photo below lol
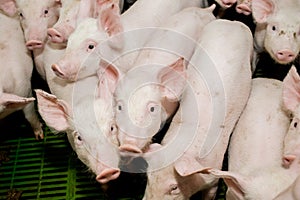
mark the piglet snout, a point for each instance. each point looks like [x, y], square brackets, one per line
[285, 56]
[58, 72]
[287, 160]
[244, 9]
[55, 36]
[107, 175]
[34, 44]
[130, 148]
[228, 3]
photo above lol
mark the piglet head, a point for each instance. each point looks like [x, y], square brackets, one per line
[282, 36]
[144, 101]
[179, 180]
[70, 15]
[291, 100]
[84, 134]
[36, 17]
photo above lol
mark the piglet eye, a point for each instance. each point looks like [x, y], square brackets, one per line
[91, 46]
[152, 107]
[113, 128]
[46, 12]
[295, 125]
[21, 15]
[120, 106]
[79, 138]
[273, 28]
[174, 189]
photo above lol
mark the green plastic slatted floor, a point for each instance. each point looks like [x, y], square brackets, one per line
[45, 170]
[49, 169]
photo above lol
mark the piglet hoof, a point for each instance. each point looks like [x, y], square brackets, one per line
[39, 134]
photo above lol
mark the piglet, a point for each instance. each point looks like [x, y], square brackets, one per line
[142, 109]
[291, 102]
[70, 15]
[87, 120]
[261, 128]
[210, 105]
[16, 69]
[36, 17]
[111, 36]
[278, 30]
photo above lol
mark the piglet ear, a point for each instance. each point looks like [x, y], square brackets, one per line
[236, 183]
[291, 90]
[54, 112]
[8, 7]
[11, 101]
[188, 165]
[109, 18]
[262, 9]
[110, 21]
[173, 79]
[108, 78]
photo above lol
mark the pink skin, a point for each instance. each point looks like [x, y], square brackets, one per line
[285, 55]
[92, 149]
[107, 175]
[277, 32]
[71, 14]
[291, 100]
[36, 16]
[16, 70]
[244, 7]
[226, 3]
[57, 35]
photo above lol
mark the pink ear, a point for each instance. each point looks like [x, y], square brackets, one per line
[188, 165]
[262, 9]
[109, 17]
[108, 78]
[12, 101]
[173, 79]
[291, 90]
[8, 7]
[235, 182]
[53, 111]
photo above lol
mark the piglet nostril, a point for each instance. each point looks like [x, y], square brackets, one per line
[108, 175]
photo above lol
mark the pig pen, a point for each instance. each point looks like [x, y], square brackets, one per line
[49, 169]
